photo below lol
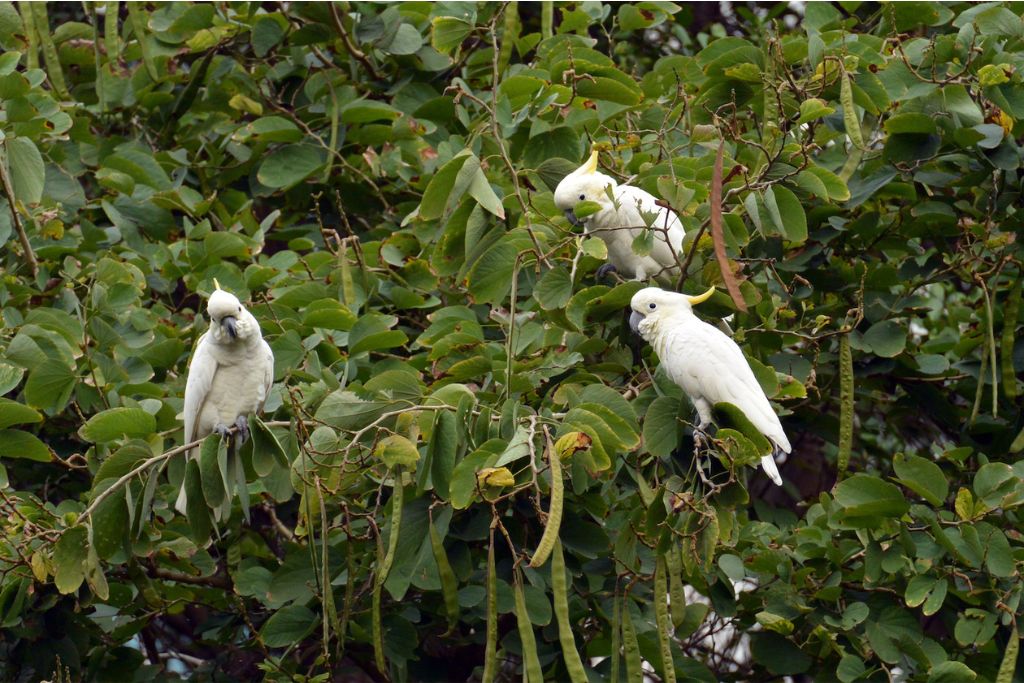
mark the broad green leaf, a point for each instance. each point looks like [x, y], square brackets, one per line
[288, 626]
[786, 213]
[14, 413]
[864, 495]
[115, 423]
[490, 278]
[110, 524]
[886, 338]
[289, 165]
[661, 427]
[50, 385]
[15, 443]
[69, 555]
[922, 476]
[447, 33]
[438, 193]
[28, 173]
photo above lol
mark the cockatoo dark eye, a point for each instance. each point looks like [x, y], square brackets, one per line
[239, 309]
[652, 306]
[582, 197]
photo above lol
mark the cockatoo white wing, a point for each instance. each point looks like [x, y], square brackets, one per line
[715, 369]
[268, 372]
[201, 371]
[633, 209]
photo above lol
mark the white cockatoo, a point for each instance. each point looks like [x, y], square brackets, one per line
[621, 220]
[706, 363]
[229, 377]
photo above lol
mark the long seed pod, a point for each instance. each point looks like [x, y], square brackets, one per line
[491, 646]
[396, 525]
[53, 69]
[449, 584]
[616, 634]
[630, 645]
[547, 19]
[559, 588]
[675, 584]
[350, 591]
[550, 536]
[509, 33]
[28, 20]
[990, 342]
[662, 621]
[1011, 314]
[850, 118]
[110, 33]
[531, 662]
[377, 630]
[1009, 665]
[845, 403]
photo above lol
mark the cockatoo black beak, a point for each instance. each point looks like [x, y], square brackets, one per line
[228, 323]
[570, 216]
[634, 322]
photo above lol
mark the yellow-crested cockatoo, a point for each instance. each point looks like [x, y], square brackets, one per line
[621, 220]
[706, 363]
[229, 377]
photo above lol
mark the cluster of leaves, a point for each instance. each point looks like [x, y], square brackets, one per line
[455, 395]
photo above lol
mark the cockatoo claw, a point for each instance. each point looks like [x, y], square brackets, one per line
[605, 270]
[222, 431]
[242, 423]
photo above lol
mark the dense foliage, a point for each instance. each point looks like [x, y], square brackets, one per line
[376, 180]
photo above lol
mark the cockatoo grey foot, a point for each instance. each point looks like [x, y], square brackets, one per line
[242, 423]
[221, 430]
[605, 270]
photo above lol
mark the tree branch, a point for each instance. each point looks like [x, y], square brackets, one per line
[356, 53]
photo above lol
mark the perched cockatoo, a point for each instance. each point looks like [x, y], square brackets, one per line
[229, 377]
[706, 363]
[621, 220]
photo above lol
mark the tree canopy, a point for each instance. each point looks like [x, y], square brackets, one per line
[461, 472]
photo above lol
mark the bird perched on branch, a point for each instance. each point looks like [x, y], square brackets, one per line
[706, 364]
[625, 213]
[229, 377]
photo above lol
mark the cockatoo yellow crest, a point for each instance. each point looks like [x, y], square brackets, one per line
[622, 219]
[230, 375]
[705, 362]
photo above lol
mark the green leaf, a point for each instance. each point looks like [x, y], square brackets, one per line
[213, 469]
[778, 654]
[69, 555]
[407, 41]
[480, 189]
[366, 111]
[447, 33]
[923, 477]
[396, 450]
[438, 194]
[110, 524]
[28, 172]
[288, 625]
[886, 338]
[490, 278]
[14, 413]
[267, 32]
[464, 482]
[787, 213]
[951, 672]
[115, 423]
[863, 495]
[813, 109]
[910, 123]
[15, 443]
[50, 385]
[266, 449]
[196, 510]
[552, 291]
[661, 426]
[289, 165]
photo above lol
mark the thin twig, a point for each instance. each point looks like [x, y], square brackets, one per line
[358, 54]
